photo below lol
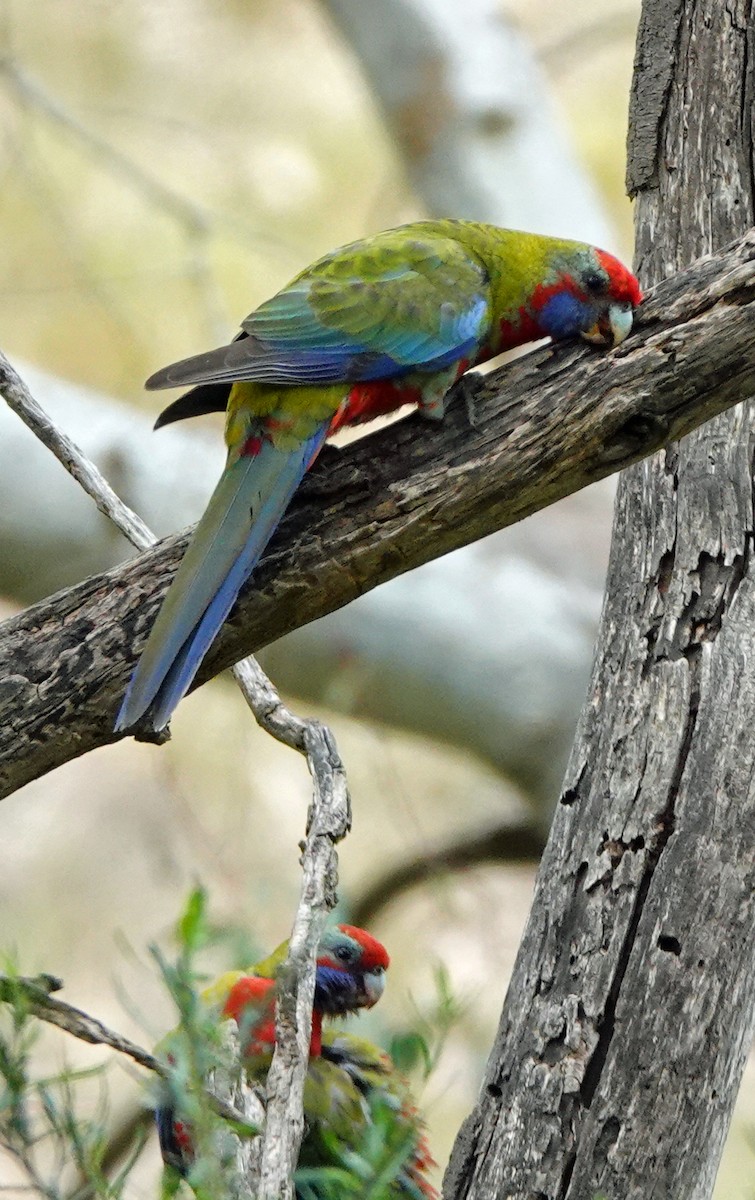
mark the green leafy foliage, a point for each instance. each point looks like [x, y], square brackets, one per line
[59, 1130]
[419, 1048]
[192, 928]
[55, 1128]
[367, 1170]
[194, 1052]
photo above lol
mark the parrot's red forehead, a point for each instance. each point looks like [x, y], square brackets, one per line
[624, 285]
[374, 953]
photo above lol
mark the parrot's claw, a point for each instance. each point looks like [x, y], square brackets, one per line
[467, 388]
[155, 737]
[433, 410]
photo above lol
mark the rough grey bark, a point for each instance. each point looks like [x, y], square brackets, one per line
[630, 1012]
[546, 426]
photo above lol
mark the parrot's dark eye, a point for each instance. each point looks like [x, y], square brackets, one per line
[594, 282]
[344, 954]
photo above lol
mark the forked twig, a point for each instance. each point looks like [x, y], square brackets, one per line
[328, 822]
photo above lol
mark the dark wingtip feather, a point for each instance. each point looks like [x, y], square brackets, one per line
[210, 367]
[200, 368]
[207, 398]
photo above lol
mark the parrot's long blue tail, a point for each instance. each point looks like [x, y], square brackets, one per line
[247, 504]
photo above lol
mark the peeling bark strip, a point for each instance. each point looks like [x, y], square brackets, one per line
[658, 36]
[546, 426]
[630, 1013]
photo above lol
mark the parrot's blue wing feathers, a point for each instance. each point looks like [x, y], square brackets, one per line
[378, 321]
[305, 341]
[172, 1152]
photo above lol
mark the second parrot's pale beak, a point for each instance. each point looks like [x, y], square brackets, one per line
[374, 985]
[612, 327]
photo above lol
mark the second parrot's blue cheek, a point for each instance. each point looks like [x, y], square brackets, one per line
[565, 315]
[335, 990]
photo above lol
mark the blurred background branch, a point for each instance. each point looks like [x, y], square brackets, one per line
[470, 111]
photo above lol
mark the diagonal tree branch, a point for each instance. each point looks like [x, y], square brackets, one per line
[546, 426]
[502, 843]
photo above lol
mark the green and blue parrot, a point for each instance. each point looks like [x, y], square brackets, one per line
[349, 976]
[359, 1115]
[391, 319]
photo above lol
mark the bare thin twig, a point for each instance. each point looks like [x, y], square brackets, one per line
[74, 1021]
[270, 713]
[18, 397]
[88, 1029]
[232, 1087]
[328, 821]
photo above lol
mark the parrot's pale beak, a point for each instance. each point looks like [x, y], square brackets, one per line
[374, 985]
[612, 327]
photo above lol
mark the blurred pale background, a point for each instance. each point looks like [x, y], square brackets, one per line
[166, 164]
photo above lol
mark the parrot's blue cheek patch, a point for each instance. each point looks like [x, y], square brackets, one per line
[336, 992]
[564, 315]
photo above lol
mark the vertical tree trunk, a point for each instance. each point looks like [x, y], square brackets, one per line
[630, 1013]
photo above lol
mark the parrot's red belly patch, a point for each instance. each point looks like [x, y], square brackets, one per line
[374, 398]
[516, 333]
